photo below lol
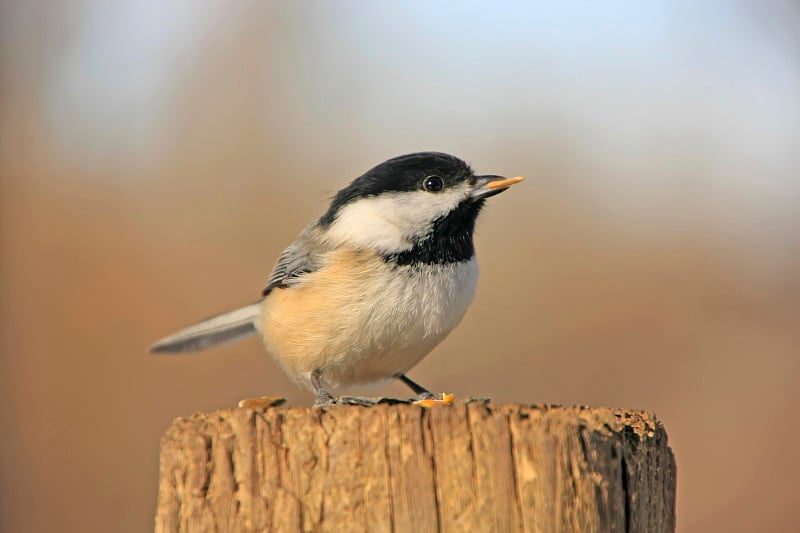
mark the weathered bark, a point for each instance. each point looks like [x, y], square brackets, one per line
[459, 468]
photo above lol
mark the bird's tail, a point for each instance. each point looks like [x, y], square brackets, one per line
[220, 329]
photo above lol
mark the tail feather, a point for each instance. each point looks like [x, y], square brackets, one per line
[221, 329]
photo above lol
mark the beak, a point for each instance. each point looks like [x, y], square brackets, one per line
[487, 186]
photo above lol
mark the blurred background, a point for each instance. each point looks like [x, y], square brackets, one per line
[157, 156]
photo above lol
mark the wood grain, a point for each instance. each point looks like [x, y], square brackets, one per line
[460, 468]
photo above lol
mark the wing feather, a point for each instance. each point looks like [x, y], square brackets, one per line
[299, 258]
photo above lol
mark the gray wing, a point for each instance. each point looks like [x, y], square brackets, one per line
[299, 258]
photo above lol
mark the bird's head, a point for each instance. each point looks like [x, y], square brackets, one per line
[418, 207]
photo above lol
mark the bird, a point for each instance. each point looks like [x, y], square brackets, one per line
[372, 286]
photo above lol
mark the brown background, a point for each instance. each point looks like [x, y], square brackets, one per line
[155, 159]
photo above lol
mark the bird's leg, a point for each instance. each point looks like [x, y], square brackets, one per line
[321, 396]
[421, 392]
[425, 397]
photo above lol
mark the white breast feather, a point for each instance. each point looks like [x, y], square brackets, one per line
[410, 311]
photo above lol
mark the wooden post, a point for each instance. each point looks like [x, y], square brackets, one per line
[402, 468]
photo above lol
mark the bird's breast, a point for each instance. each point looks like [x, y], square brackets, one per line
[360, 318]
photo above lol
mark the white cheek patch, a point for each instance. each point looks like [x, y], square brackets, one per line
[389, 223]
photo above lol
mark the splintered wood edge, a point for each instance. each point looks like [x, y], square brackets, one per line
[641, 423]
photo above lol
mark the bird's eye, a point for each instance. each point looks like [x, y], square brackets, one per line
[433, 184]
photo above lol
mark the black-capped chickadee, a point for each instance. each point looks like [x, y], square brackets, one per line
[372, 286]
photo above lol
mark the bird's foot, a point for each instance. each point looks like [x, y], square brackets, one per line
[358, 400]
[264, 402]
[429, 399]
[329, 399]
[363, 401]
[425, 398]
[323, 398]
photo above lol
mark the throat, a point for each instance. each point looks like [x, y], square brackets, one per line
[449, 241]
[436, 251]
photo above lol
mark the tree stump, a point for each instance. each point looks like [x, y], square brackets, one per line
[403, 468]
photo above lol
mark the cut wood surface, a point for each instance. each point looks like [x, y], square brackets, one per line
[459, 468]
